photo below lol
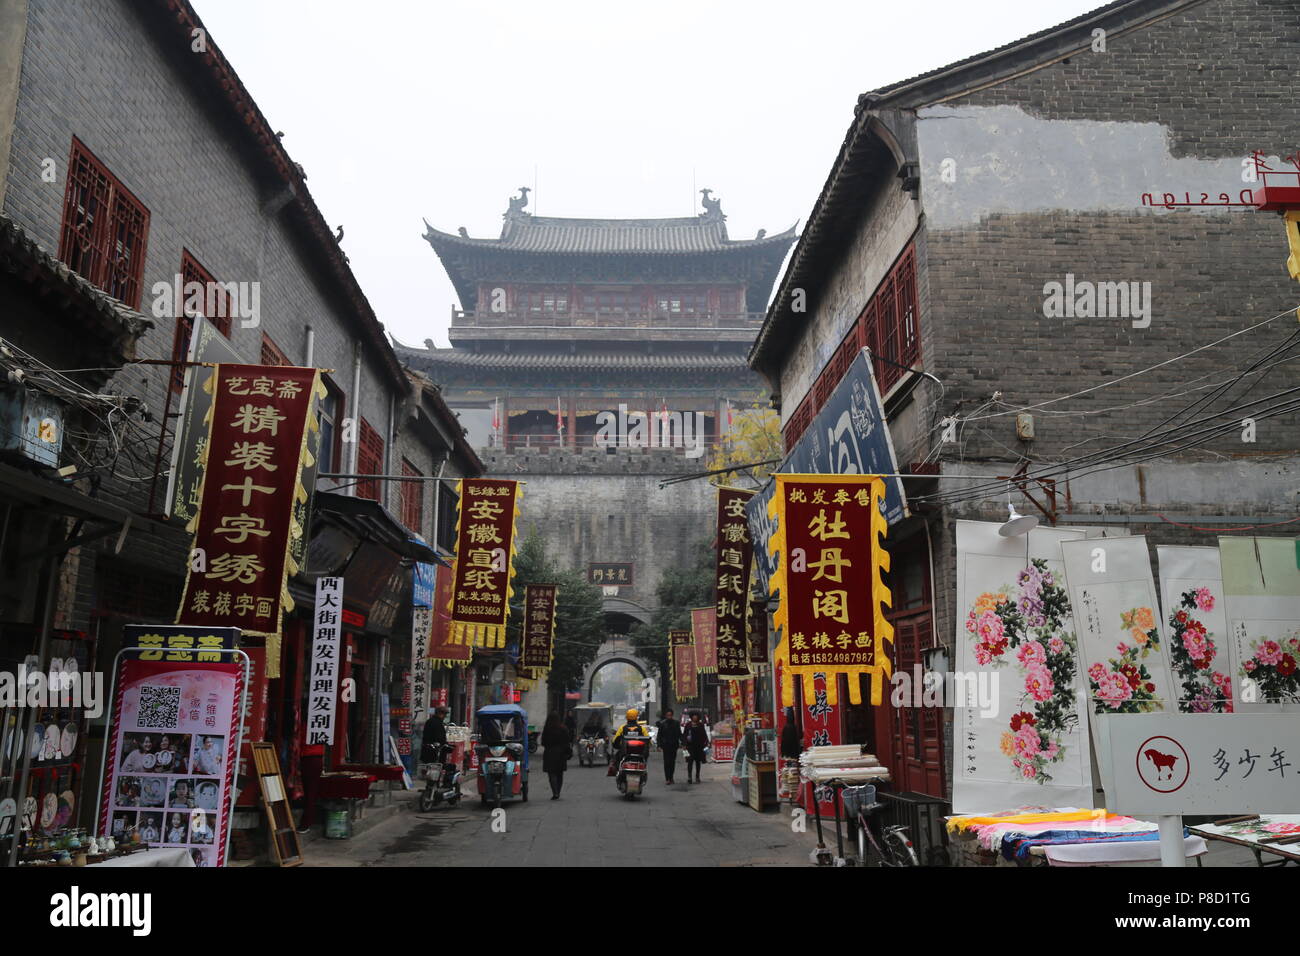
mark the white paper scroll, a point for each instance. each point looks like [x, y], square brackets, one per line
[1195, 616]
[1261, 585]
[1121, 637]
[1016, 634]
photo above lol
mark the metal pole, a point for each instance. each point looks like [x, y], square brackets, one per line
[1171, 841]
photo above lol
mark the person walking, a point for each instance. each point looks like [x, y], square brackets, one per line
[557, 744]
[696, 739]
[670, 738]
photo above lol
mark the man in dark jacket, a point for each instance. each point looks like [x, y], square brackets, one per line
[435, 734]
[670, 738]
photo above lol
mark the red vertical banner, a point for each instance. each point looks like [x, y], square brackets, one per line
[685, 676]
[832, 597]
[735, 554]
[252, 476]
[442, 653]
[539, 628]
[704, 633]
[758, 651]
[485, 550]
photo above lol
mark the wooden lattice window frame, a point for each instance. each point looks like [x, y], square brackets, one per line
[412, 498]
[370, 460]
[104, 234]
[194, 271]
[272, 354]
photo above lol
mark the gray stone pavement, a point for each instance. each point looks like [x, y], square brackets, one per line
[590, 825]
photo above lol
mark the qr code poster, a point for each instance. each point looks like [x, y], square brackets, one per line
[173, 738]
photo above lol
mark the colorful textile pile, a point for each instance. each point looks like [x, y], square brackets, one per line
[1016, 831]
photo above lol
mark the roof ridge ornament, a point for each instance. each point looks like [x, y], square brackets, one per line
[712, 207]
[517, 204]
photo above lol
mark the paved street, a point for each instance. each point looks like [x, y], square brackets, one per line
[590, 825]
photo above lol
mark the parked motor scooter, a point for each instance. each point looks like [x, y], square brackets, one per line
[442, 779]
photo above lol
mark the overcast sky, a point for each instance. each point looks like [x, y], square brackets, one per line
[400, 111]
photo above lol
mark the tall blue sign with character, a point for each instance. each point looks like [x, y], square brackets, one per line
[849, 436]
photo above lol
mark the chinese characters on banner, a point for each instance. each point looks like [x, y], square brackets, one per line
[254, 457]
[539, 628]
[734, 555]
[758, 633]
[172, 747]
[323, 674]
[484, 561]
[608, 574]
[685, 680]
[179, 644]
[421, 629]
[704, 633]
[441, 652]
[831, 613]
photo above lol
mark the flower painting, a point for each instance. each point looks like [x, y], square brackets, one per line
[1271, 663]
[1023, 629]
[1193, 653]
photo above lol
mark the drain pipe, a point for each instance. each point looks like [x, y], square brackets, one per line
[355, 444]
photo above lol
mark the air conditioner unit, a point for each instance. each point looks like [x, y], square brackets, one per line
[31, 425]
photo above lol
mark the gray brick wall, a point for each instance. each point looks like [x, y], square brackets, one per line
[97, 71]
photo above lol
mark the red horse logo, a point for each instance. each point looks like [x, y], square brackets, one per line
[1162, 762]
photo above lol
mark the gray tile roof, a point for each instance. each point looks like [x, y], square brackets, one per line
[585, 236]
[563, 360]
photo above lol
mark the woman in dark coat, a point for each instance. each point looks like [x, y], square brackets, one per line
[555, 759]
[695, 737]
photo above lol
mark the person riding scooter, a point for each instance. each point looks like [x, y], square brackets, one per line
[435, 733]
[633, 728]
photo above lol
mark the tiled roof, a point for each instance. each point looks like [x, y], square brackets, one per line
[457, 358]
[689, 234]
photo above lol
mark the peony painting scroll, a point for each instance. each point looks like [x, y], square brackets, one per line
[1016, 635]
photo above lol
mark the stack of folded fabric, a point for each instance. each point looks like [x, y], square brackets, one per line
[844, 762]
[1014, 832]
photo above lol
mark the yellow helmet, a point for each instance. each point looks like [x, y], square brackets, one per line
[632, 713]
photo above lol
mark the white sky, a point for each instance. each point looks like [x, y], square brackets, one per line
[442, 109]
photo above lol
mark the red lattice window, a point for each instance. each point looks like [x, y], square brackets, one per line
[272, 354]
[370, 461]
[215, 307]
[888, 326]
[412, 498]
[105, 228]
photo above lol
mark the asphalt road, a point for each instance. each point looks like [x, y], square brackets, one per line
[590, 825]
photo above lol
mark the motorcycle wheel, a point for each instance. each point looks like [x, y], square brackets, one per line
[426, 800]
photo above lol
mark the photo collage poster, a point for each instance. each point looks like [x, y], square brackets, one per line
[171, 756]
[1261, 589]
[1196, 622]
[1016, 633]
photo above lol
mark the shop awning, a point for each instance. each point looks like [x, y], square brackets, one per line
[26, 490]
[375, 523]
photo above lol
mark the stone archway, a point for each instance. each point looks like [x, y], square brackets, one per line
[615, 657]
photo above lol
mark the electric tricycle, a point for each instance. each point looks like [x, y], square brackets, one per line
[502, 748]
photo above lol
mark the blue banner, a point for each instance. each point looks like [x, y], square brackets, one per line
[849, 436]
[422, 578]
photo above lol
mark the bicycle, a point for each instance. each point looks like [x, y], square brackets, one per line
[894, 847]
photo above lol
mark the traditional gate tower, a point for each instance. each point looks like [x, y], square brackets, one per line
[593, 357]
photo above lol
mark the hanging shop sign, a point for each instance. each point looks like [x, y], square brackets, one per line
[735, 553]
[326, 650]
[485, 551]
[685, 675]
[171, 642]
[254, 458]
[441, 652]
[849, 436]
[831, 614]
[758, 633]
[1172, 763]
[171, 753]
[539, 628]
[421, 634]
[424, 581]
[704, 634]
